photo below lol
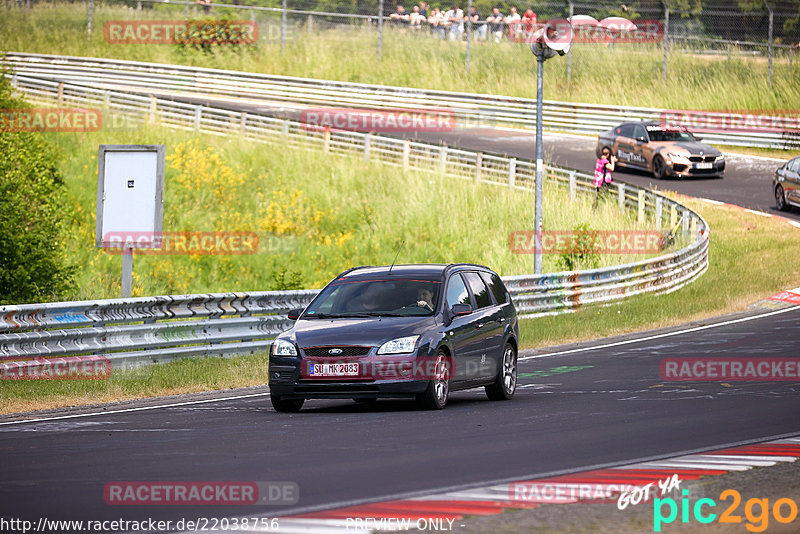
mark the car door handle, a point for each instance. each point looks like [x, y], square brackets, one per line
[501, 319]
[478, 325]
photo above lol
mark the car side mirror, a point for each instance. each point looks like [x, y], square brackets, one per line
[641, 139]
[461, 309]
[295, 313]
[698, 138]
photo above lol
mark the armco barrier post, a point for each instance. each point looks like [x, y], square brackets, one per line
[659, 211]
[406, 153]
[326, 140]
[673, 216]
[573, 186]
[621, 196]
[243, 122]
[198, 113]
[512, 173]
[153, 107]
[478, 165]
[685, 223]
[367, 140]
[285, 128]
[641, 206]
[443, 159]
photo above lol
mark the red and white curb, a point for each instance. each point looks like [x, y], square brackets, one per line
[790, 296]
[444, 511]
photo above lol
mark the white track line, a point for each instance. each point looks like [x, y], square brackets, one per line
[138, 409]
[659, 336]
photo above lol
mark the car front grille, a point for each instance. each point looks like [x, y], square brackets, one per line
[346, 351]
[698, 159]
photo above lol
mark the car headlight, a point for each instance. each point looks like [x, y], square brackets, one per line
[721, 157]
[678, 157]
[281, 347]
[400, 345]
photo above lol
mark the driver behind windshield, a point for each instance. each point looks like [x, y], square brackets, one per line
[425, 298]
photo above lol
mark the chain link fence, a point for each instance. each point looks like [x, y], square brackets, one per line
[761, 30]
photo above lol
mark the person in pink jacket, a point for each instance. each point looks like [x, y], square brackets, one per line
[602, 169]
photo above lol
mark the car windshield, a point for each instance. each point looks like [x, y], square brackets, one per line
[670, 135]
[374, 297]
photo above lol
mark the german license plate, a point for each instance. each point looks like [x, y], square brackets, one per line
[333, 369]
[705, 165]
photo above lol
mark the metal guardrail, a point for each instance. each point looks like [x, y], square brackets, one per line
[294, 94]
[139, 331]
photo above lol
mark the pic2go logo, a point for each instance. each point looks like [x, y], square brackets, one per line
[757, 521]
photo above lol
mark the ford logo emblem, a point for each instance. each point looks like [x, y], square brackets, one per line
[335, 351]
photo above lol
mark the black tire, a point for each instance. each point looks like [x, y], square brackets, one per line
[435, 397]
[780, 199]
[659, 168]
[505, 383]
[287, 405]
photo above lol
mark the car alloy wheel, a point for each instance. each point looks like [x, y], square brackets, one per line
[505, 383]
[780, 200]
[435, 397]
[659, 167]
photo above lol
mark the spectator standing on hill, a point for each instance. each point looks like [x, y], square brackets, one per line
[496, 24]
[436, 21]
[455, 20]
[478, 26]
[401, 16]
[423, 9]
[514, 25]
[602, 171]
[529, 23]
[416, 19]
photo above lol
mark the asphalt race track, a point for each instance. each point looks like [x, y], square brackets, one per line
[591, 405]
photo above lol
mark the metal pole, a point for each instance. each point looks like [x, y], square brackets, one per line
[769, 46]
[537, 218]
[91, 16]
[283, 28]
[569, 52]
[380, 29]
[666, 36]
[127, 272]
[469, 34]
[186, 10]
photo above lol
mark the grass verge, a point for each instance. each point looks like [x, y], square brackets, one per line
[744, 247]
[631, 74]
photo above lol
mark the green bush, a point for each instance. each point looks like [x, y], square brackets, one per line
[33, 264]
